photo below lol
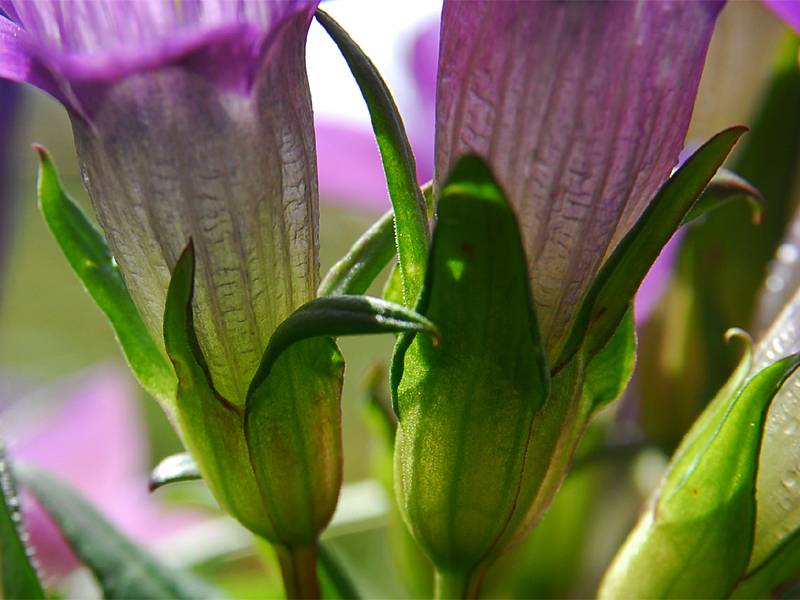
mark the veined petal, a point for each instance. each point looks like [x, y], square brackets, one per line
[73, 49]
[581, 109]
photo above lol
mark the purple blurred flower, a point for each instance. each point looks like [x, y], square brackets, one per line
[580, 134]
[95, 442]
[191, 119]
[787, 10]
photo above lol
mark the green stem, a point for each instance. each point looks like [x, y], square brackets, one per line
[458, 584]
[299, 571]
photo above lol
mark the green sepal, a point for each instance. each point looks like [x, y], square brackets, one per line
[212, 427]
[615, 285]
[87, 252]
[781, 566]
[610, 370]
[466, 406]
[174, 469]
[726, 186]
[123, 570]
[399, 166]
[699, 527]
[335, 316]
[18, 575]
[355, 272]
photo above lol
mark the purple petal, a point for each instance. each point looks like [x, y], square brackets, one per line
[191, 120]
[424, 55]
[73, 50]
[581, 109]
[787, 10]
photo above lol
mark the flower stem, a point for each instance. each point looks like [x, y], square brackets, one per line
[458, 584]
[299, 571]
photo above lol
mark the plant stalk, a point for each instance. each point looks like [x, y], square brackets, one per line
[458, 584]
[299, 571]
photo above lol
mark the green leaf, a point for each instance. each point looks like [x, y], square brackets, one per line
[725, 187]
[612, 291]
[398, 160]
[699, 527]
[335, 316]
[609, 372]
[336, 583]
[122, 569]
[212, 427]
[779, 567]
[175, 468]
[355, 272]
[88, 254]
[466, 405]
[17, 574]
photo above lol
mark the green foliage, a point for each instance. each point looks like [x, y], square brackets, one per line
[612, 291]
[466, 405]
[726, 186]
[398, 160]
[355, 272]
[89, 256]
[173, 469]
[122, 569]
[18, 576]
[698, 529]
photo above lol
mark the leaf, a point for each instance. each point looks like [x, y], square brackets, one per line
[725, 187]
[212, 427]
[465, 406]
[336, 583]
[699, 528]
[612, 291]
[175, 468]
[122, 569]
[88, 254]
[19, 576]
[779, 567]
[355, 272]
[335, 316]
[609, 372]
[398, 160]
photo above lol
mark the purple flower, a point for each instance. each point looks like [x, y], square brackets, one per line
[191, 119]
[788, 10]
[99, 412]
[581, 109]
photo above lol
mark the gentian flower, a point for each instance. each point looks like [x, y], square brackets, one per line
[581, 112]
[191, 119]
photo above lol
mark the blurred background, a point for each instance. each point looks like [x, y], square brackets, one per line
[66, 395]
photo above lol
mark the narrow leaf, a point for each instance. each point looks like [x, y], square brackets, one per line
[335, 316]
[175, 468]
[411, 222]
[17, 573]
[88, 254]
[122, 569]
[725, 187]
[608, 299]
[699, 529]
[336, 583]
[356, 271]
[608, 373]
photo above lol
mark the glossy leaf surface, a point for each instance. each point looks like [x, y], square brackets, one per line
[699, 527]
[88, 254]
[173, 469]
[398, 160]
[617, 282]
